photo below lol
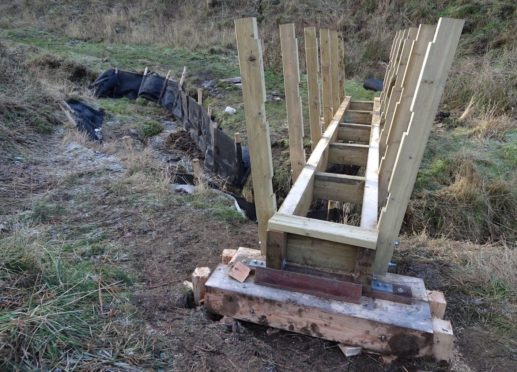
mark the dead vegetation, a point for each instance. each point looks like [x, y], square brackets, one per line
[76, 245]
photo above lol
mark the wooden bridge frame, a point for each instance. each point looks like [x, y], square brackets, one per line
[308, 271]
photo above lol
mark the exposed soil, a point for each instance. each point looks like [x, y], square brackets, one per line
[163, 246]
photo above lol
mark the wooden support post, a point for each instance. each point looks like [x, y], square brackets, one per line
[326, 78]
[394, 128]
[199, 278]
[183, 77]
[254, 93]
[289, 46]
[200, 96]
[312, 65]
[430, 86]
[341, 68]
[334, 66]
[198, 172]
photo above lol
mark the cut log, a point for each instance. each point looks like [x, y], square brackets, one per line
[437, 303]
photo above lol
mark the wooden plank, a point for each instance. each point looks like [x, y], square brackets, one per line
[326, 76]
[334, 66]
[299, 199]
[342, 74]
[348, 154]
[320, 254]
[388, 82]
[361, 105]
[254, 95]
[394, 97]
[432, 78]
[383, 326]
[313, 89]
[370, 202]
[354, 133]
[276, 249]
[390, 63]
[371, 189]
[321, 286]
[401, 115]
[289, 47]
[339, 187]
[335, 232]
[358, 117]
[239, 271]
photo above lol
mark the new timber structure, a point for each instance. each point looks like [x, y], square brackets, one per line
[324, 278]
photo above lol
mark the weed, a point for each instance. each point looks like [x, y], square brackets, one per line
[152, 128]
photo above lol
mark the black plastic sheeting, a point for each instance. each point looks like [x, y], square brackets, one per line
[222, 155]
[88, 119]
[373, 84]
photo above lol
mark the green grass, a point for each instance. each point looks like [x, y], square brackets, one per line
[58, 305]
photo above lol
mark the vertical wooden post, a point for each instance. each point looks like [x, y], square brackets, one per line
[397, 125]
[334, 67]
[342, 75]
[312, 64]
[430, 86]
[289, 46]
[326, 78]
[254, 93]
[183, 77]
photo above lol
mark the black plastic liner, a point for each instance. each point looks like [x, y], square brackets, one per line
[115, 83]
[222, 155]
[88, 119]
[373, 84]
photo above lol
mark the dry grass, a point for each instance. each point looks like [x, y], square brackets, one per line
[491, 125]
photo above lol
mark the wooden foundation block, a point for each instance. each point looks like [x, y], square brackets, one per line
[437, 303]
[227, 255]
[199, 278]
[382, 326]
[244, 253]
[443, 340]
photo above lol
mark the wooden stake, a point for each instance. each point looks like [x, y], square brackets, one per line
[289, 46]
[334, 66]
[183, 77]
[254, 93]
[430, 86]
[200, 96]
[326, 76]
[312, 65]
[199, 278]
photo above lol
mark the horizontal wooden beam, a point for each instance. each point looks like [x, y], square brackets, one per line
[361, 105]
[348, 154]
[299, 199]
[354, 133]
[358, 116]
[320, 254]
[339, 187]
[335, 232]
[382, 326]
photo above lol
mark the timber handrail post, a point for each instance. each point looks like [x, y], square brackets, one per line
[293, 101]
[313, 88]
[326, 86]
[251, 64]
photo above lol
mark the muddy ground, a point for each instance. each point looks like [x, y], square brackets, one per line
[162, 242]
